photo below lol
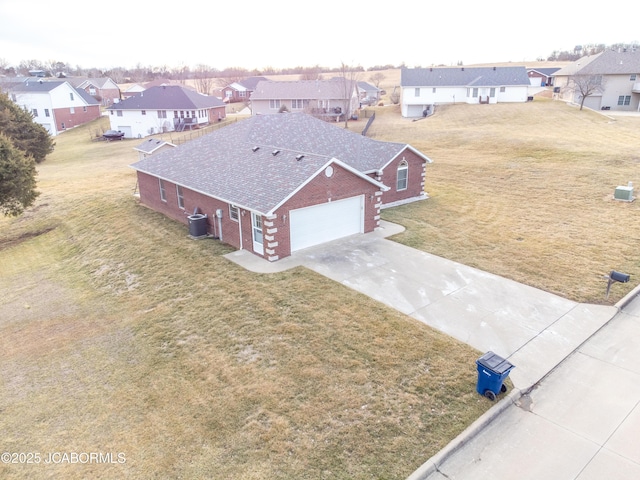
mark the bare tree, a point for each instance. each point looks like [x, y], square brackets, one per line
[204, 79]
[349, 77]
[311, 73]
[585, 86]
[376, 78]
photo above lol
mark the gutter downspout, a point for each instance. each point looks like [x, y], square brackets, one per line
[240, 229]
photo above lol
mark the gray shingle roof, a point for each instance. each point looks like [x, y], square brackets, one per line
[608, 62]
[167, 97]
[151, 145]
[302, 89]
[464, 77]
[223, 164]
[33, 85]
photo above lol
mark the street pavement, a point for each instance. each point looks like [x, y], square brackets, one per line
[574, 405]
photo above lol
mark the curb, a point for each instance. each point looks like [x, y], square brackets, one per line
[431, 465]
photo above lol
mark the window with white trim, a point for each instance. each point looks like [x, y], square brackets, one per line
[417, 92]
[402, 176]
[624, 100]
[274, 104]
[233, 213]
[632, 77]
[163, 191]
[180, 196]
[35, 112]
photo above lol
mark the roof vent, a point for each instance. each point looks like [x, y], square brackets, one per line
[275, 152]
[255, 149]
[299, 157]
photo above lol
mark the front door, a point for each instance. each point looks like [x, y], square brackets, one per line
[256, 233]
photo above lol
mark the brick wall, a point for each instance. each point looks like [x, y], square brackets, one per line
[64, 115]
[342, 184]
[149, 189]
[415, 180]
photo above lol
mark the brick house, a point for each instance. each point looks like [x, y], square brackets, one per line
[241, 91]
[103, 89]
[275, 184]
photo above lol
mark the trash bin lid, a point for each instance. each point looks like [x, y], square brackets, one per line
[495, 363]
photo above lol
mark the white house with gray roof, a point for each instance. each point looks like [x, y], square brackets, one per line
[329, 98]
[617, 72]
[54, 104]
[164, 108]
[423, 88]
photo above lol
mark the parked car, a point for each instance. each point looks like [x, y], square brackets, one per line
[113, 135]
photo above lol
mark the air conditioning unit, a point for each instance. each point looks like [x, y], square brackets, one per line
[624, 193]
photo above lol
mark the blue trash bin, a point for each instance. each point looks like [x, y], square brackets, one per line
[492, 372]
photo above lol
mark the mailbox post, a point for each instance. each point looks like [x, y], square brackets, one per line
[616, 277]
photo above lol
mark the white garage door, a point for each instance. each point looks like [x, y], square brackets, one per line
[328, 221]
[127, 131]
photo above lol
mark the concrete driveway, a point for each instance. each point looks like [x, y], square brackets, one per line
[574, 412]
[534, 329]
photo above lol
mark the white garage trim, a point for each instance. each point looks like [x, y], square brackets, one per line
[325, 222]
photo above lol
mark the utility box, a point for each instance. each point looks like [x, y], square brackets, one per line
[624, 194]
[197, 225]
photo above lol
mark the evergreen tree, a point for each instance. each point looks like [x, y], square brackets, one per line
[17, 124]
[17, 179]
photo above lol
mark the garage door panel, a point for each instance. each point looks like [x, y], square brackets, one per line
[329, 221]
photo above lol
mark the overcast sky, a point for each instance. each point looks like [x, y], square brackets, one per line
[286, 33]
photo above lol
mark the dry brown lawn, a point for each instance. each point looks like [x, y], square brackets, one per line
[526, 191]
[119, 335]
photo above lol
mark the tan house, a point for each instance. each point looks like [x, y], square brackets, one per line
[615, 74]
[328, 99]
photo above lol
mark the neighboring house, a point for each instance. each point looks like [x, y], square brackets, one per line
[275, 184]
[422, 88]
[103, 89]
[241, 91]
[164, 109]
[616, 74]
[136, 88]
[151, 146]
[541, 77]
[132, 90]
[368, 93]
[54, 104]
[330, 99]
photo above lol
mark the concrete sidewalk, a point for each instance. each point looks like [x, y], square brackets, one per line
[580, 423]
[535, 330]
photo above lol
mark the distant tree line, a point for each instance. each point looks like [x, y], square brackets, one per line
[147, 73]
[580, 51]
